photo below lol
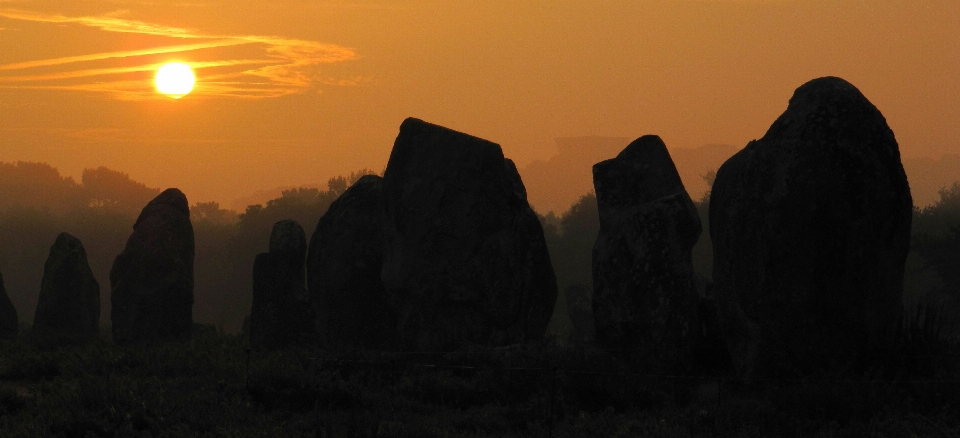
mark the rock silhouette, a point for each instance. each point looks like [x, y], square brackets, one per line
[152, 279]
[580, 310]
[9, 327]
[281, 312]
[645, 291]
[343, 272]
[69, 302]
[464, 261]
[811, 228]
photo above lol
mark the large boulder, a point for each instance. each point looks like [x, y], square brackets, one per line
[343, 272]
[69, 302]
[811, 228]
[9, 327]
[644, 286]
[152, 279]
[281, 311]
[464, 259]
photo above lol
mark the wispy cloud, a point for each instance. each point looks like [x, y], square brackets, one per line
[280, 66]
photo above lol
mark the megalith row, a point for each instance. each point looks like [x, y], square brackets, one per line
[151, 283]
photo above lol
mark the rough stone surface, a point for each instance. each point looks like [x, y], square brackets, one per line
[152, 279]
[464, 261]
[343, 272]
[645, 291]
[9, 327]
[580, 310]
[811, 228]
[281, 312]
[69, 302]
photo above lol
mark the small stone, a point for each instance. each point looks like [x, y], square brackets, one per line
[281, 312]
[69, 302]
[9, 327]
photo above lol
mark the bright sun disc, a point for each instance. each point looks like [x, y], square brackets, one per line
[175, 79]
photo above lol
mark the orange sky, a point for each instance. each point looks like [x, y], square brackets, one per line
[294, 92]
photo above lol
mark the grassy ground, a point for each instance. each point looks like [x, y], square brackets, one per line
[209, 387]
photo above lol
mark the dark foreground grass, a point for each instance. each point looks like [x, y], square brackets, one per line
[205, 387]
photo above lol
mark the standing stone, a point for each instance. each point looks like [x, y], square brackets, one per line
[464, 261]
[9, 327]
[811, 228]
[69, 302]
[580, 310]
[152, 279]
[281, 312]
[343, 272]
[645, 293]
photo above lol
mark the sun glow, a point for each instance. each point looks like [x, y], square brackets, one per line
[175, 79]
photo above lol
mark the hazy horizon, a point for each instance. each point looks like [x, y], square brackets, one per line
[573, 162]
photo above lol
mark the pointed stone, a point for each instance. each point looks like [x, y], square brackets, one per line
[152, 279]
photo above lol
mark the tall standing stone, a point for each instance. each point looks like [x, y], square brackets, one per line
[152, 279]
[69, 302]
[811, 228]
[281, 311]
[465, 261]
[645, 294]
[9, 327]
[343, 272]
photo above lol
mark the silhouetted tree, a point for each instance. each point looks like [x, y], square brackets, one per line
[38, 186]
[936, 237]
[340, 184]
[113, 190]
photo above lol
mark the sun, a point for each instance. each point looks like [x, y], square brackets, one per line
[175, 79]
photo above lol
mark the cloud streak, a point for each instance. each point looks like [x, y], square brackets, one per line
[278, 67]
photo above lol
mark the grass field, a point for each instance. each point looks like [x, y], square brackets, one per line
[214, 386]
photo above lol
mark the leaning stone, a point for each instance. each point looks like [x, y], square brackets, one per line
[645, 294]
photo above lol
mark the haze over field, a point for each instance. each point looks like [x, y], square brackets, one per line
[292, 93]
